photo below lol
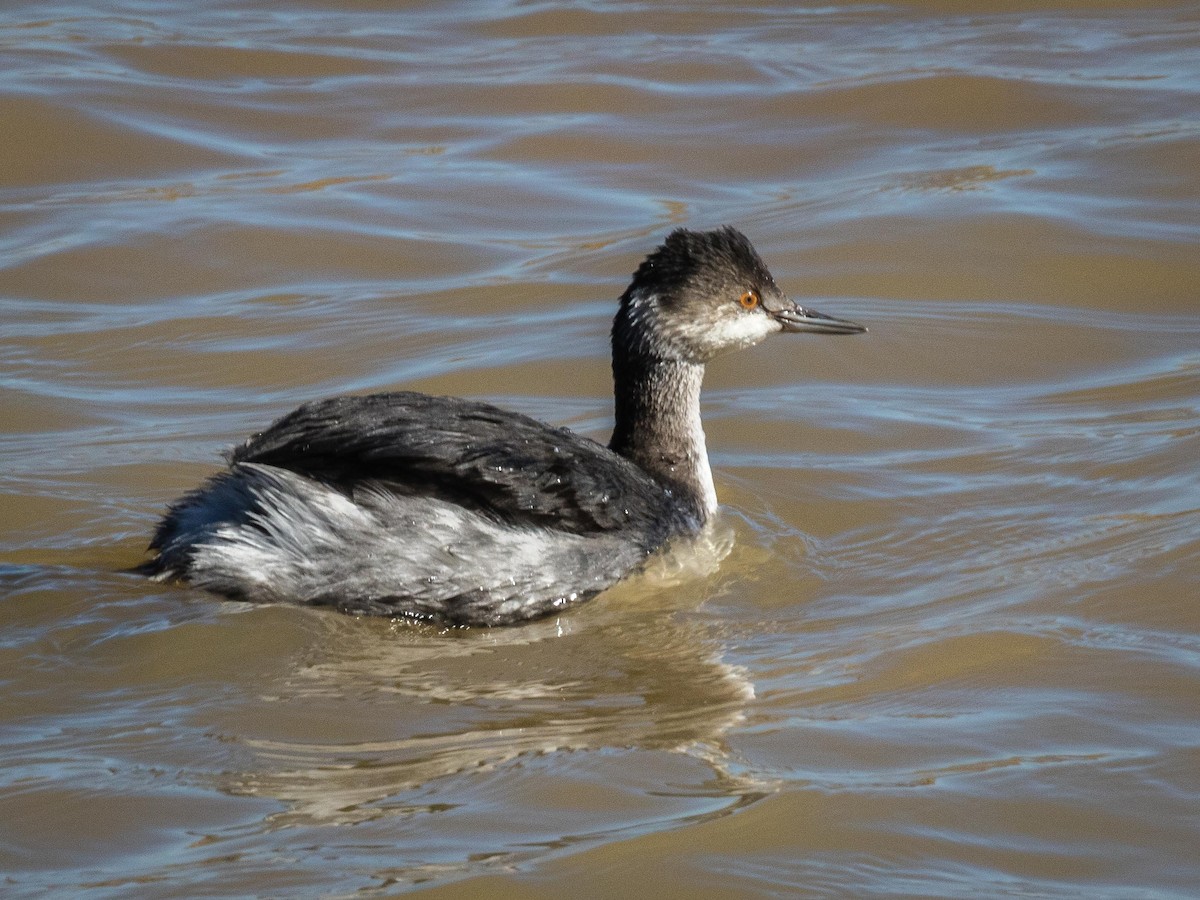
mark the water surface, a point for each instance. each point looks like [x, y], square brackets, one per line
[955, 646]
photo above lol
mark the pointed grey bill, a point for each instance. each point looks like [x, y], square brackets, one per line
[799, 320]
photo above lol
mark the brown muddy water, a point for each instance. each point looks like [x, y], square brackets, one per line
[955, 647]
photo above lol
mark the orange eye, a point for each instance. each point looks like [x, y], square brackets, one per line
[749, 300]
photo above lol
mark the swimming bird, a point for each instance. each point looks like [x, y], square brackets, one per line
[459, 512]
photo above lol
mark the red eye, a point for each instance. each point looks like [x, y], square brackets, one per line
[749, 300]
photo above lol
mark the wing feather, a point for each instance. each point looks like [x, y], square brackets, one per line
[512, 466]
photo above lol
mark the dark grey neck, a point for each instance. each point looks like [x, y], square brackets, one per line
[658, 426]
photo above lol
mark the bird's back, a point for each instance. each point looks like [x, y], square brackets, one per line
[407, 504]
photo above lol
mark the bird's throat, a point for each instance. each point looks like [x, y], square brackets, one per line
[658, 427]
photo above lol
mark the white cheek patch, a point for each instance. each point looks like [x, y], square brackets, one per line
[734, 332]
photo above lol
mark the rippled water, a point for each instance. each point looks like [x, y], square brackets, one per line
[955, 647]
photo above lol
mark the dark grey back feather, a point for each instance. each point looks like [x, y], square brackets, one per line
[507, 465]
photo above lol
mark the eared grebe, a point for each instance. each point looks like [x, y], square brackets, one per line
[455, 511]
